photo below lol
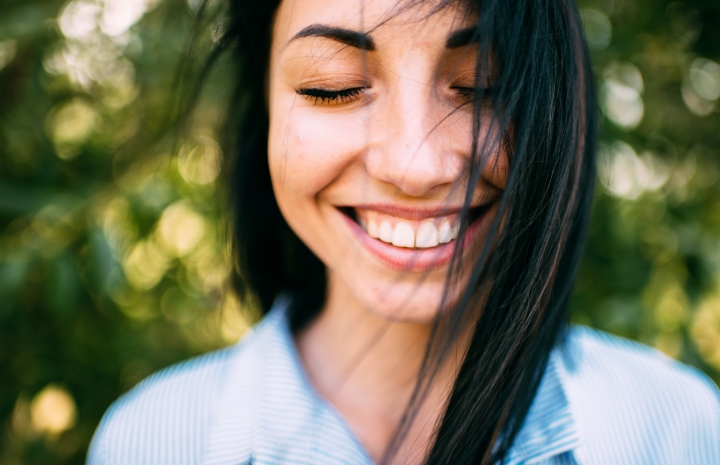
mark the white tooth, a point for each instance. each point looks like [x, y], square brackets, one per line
[445, 233]
[427, 235]
[362, 223]
[372, 229]
[403, 236]
[385, 232]
[455, 230]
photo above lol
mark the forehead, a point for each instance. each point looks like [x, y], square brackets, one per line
[390, 21]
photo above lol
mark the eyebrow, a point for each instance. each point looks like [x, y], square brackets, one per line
[363, 41]
[349, 37]
[462, 37]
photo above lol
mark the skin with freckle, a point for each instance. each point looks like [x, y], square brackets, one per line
[378, 129]
[374, 108]
[403, 141]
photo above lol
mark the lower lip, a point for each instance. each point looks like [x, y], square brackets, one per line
[405, 259]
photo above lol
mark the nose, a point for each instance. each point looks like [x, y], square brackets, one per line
[411, 148]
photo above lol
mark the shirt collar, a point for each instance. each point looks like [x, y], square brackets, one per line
[550, 428]
[269, 412]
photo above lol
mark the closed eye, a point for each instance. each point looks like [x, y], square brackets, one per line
[475, 92]
[327, 96]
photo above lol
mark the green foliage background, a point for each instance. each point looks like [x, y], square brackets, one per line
[113, 261]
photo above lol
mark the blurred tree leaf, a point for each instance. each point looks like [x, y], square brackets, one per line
[112, 252]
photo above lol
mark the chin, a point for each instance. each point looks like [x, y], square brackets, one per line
[412, 302]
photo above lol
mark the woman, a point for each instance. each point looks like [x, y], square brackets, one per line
[412, 186]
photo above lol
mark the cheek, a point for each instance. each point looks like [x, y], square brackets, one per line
[309, 149]
[498, 169]
[492, 144]
[457, 129]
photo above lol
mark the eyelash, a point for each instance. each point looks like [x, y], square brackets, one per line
[330, 96]
[317, 95]
[488, 92]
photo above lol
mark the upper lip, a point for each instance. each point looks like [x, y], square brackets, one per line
[412, 213]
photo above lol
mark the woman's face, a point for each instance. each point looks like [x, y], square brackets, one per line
[369, 145]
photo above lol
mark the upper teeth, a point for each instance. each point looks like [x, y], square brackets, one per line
[403, 234]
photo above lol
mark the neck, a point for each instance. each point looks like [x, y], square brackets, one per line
[367, 368]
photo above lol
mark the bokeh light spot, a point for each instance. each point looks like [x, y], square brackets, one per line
[79, 18]
[705, 330]
[181, 228]
[598, 29]
[625, 174]
[70, 125]
[7, 52]
[623, 87]
[53, 410]
[119, 15]
[701, 87]
[669, 343]
[145, 265]
[233, 325]
[705, 78]
[200, 164]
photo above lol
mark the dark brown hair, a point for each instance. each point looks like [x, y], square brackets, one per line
[543, 89]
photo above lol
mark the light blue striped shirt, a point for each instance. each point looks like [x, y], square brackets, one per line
[603, 400]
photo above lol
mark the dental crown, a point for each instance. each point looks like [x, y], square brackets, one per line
[410, 234]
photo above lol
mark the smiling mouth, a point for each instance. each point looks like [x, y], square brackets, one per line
[411, 230]
[412, 240]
